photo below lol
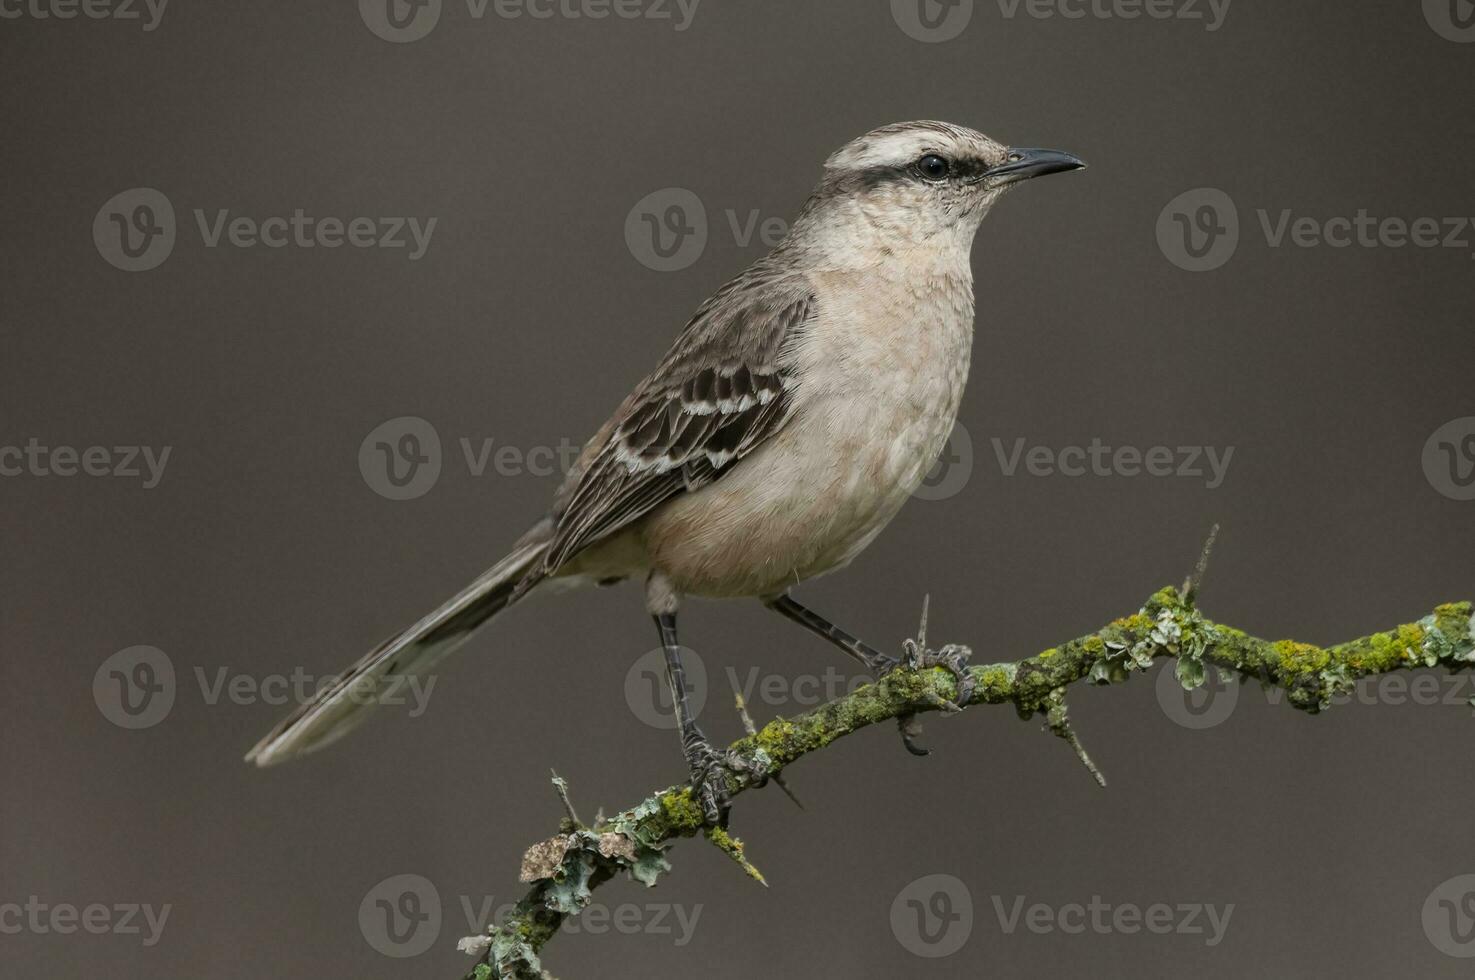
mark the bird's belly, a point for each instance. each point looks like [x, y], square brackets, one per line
[805, 503]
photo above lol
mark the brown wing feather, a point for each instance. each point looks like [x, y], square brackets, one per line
[722, 390]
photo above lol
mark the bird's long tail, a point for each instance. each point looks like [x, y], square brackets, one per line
[339, 708]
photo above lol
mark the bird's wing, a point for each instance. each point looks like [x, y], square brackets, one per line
[722, 390]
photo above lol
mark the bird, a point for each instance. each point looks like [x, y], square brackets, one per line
[791, 419]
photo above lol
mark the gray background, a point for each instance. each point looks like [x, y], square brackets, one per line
[263, 549]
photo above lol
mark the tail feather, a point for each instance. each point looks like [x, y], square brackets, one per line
[342, 706]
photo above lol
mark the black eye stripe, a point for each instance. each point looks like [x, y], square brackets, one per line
[965, 168]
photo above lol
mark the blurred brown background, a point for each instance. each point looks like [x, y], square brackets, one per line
[264, 549]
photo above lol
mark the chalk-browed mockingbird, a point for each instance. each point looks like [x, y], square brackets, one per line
[794, 415]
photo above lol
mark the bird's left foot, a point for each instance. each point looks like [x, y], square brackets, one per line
[709, 770]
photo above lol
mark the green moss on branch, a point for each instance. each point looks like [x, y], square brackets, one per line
[565, 870]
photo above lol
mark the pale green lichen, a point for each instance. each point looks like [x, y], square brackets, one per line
[1167, 625]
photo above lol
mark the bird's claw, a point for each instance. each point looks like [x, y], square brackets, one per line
[709, 771]
[918, 657]
[954, 657]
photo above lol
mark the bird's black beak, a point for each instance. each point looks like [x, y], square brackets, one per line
[1023, 164]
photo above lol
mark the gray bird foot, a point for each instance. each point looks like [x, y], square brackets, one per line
[918, 657]
[709, 772]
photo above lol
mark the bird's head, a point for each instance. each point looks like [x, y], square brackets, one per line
[919, 183]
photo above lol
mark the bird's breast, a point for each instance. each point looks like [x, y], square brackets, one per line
[878, 378]
[884, 367]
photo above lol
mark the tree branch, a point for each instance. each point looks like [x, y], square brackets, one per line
[564, 870]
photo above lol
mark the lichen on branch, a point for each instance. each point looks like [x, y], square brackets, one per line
[565, 870]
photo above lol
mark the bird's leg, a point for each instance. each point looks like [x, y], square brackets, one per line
[707, 766]
[918, 657]
[878, 663]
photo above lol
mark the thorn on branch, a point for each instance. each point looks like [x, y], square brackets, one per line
[561, 785]
[916, 656]
[913, 652]
[751, 729]
[1058, 722]
[733, 848]
[922, 626]
[1194, 583]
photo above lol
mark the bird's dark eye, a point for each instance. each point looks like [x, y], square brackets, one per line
[933, 167]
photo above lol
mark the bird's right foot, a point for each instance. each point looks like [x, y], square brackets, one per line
[919, 657]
